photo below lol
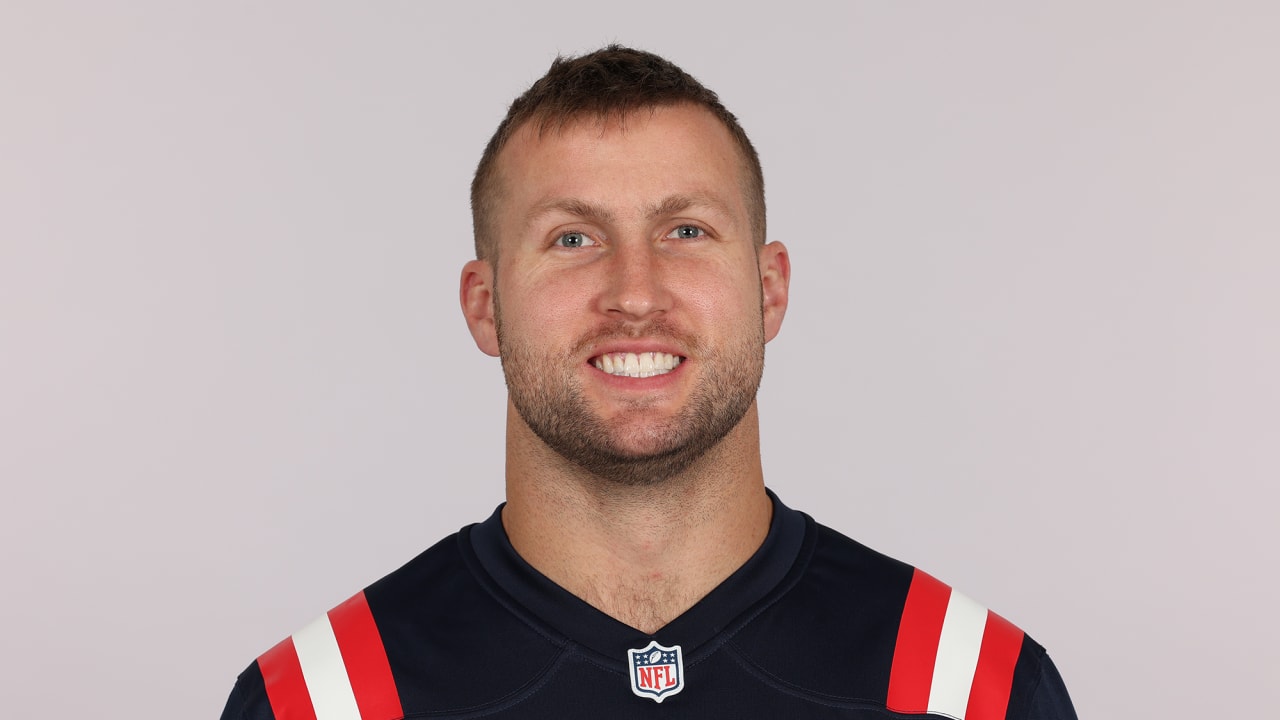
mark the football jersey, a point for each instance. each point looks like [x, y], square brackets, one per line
[813, 625]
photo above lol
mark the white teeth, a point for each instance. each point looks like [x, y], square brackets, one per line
[637, 365]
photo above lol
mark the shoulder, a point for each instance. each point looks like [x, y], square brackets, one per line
[832, 632]
[859, 626]
[433, 620]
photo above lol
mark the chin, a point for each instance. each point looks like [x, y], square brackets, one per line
[649, 460]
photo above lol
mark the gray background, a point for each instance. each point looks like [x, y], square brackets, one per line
[1032, 345]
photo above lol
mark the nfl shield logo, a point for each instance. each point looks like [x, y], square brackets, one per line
[657, 672]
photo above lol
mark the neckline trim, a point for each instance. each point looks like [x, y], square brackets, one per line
[571, 617]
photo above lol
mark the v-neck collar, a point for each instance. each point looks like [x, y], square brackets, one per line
[695, 630]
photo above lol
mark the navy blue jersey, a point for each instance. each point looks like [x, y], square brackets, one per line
[814, 625]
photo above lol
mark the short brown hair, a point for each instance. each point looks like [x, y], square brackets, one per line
[609, 83]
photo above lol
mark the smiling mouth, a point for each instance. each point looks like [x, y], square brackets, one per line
[637, 365]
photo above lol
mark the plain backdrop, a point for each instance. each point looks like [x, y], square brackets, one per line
[1032, 346]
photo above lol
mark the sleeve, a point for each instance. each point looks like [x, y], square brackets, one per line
[248, 699]
[234, 709]
[1050, 700]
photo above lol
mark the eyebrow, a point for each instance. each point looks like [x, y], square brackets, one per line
[571, 206]
[676, 204]
[670, 205]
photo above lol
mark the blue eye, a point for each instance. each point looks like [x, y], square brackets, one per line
[687, 232]
[574, 240]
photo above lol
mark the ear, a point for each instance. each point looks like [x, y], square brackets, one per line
[476, 295]
[775, 282]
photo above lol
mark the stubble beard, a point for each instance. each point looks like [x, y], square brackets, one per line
[546, 392]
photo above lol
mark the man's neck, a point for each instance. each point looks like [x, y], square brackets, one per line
[641, 554]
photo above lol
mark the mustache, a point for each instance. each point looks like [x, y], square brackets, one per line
[657, 329]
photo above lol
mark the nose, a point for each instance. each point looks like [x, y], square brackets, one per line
[635, 283]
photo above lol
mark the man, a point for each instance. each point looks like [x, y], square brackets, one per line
[639, 567]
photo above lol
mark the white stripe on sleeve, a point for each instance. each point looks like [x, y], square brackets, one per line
[325, 672]
[958, 647]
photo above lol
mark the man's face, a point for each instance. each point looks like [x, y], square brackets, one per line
[628, 304]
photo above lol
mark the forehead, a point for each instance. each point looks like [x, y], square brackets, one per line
[636, 159]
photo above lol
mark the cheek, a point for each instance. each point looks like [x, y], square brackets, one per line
[541, 307]
[720, 292]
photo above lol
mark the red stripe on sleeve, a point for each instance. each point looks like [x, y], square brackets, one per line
[286, 688]
[366, 660]
[917, 645]
[993, 680]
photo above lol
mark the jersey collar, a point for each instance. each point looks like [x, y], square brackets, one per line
[699, 630]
